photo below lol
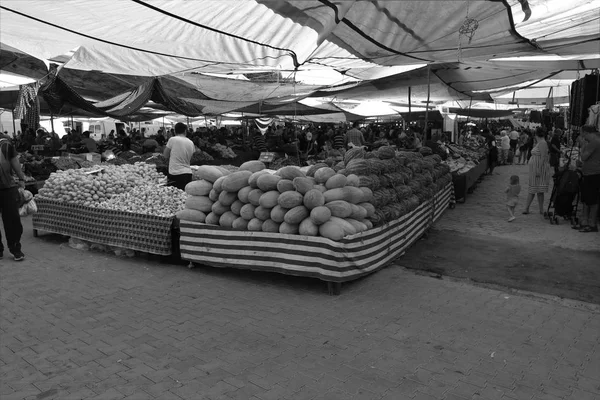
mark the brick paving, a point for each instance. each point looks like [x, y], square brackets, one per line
[84, 325]
[484, 213]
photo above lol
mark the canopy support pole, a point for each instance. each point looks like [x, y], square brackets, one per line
[409, 102]
[14, 124]
[52, 122]
[426, 135]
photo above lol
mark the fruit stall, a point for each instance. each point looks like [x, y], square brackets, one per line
[468, 166]
[331, 222]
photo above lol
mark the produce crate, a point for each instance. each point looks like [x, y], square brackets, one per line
[351, 258]
[122, 229]
[466, 183]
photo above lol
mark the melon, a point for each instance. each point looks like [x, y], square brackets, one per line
[359, 226]
[254, 196]
[240, 224]
[350, 194]
[295, 215]
[290, 172]
[226, 220]
[386, 152]
[217, 186]
[358, 212]
[332, 230]
[354, 153]
[290, 199]
[308, 228]
[367, 195]
[236, 207]
[289, 229]
[368, 223]
[370, 208]
[339, 208]
[262, 213]
[313, 198]
[357, 167]
[285, 185]
[303, 184]
[235, 181]
[270, 226]
[209, 173]
[243, 194]
[321, 188]
[336, 181]
[219, 208]
[199, 203]
[213, 195]
[201, 187]
[190, 215]
[227, 198]
[253, 180]
[320, 215]
[252, 166]
[267, 182]
[313, 168]
[247, 211]
[323, 174]
[346, 226]
[212, 219]
[278, 213]
[255, 225]
[269, 199]
[353, 180]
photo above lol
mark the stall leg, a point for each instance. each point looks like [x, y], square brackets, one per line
[35, 233]
[334, 288]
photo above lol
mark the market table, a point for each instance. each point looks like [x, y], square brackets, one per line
[120, 229]
[317, 257]
[466, 183]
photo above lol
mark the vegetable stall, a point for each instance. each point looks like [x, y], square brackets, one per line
[332, 222]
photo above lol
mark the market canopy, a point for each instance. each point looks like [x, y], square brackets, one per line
[373, 50]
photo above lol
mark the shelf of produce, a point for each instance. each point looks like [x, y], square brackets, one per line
[121, 229]
[317, 257]
[464, 182]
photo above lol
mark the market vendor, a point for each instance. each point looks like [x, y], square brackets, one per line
[354, 136]
[150, 145]
[89, 143]
[179, 152]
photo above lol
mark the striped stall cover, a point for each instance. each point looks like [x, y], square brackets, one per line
[316, 257]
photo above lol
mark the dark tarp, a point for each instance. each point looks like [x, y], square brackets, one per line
[478, 113]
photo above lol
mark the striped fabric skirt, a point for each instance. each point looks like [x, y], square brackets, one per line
[539, 175]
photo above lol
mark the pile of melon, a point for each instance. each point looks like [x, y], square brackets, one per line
[320, 200]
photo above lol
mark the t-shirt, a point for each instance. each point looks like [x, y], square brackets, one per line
[7, 153]
[514, 135]
[355, 137]
[182, 150]
[590, 155]
[505, 143]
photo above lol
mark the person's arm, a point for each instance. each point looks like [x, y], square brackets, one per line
[167, 150]
[16, 166]
[588, 149]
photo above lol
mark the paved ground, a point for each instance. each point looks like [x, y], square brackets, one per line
[474, 241]
[84, 325]
[484, 213]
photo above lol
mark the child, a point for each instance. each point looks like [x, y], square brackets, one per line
[512, 196]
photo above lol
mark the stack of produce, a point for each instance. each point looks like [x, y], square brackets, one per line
[363, 191]
[80, 186]
[462, 159]
[39, 169]
[161, 201]
[199, 157]
[224, 151]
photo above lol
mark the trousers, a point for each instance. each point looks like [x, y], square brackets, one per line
[13, 229]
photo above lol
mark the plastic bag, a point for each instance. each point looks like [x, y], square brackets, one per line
[27, 205]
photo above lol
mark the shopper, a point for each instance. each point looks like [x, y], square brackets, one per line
[590, 190]
[492, 157]
[555, 151]
[539, 171]
[504, 147]
[514, 141]
[10, 197]
[89, 143]
[354, 136]
[523, 150]
[512, 196]
[179, 152]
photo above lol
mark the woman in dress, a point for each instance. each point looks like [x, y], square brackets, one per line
[539, 171]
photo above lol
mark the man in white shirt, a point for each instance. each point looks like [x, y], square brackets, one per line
[504, 147]
[514, 141]
[179, 152]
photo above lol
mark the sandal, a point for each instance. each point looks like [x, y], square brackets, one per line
[525, 212]
[587, 229]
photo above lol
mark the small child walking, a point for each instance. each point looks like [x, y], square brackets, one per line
[512, 196]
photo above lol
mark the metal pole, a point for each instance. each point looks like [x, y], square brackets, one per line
[14, 124]
[52, 122]
[425, 136]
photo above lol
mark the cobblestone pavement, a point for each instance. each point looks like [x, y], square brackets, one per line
[84, 325]
[484, 213]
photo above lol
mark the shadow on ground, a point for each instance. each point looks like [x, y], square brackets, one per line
[548, 270]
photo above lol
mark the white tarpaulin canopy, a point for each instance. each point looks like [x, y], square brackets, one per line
[471, 46]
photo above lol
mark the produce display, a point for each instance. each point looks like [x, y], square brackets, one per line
[81, 186]
[199, 157]
[223, 151]
[162, 201]
[462, 158]
[360, 192]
